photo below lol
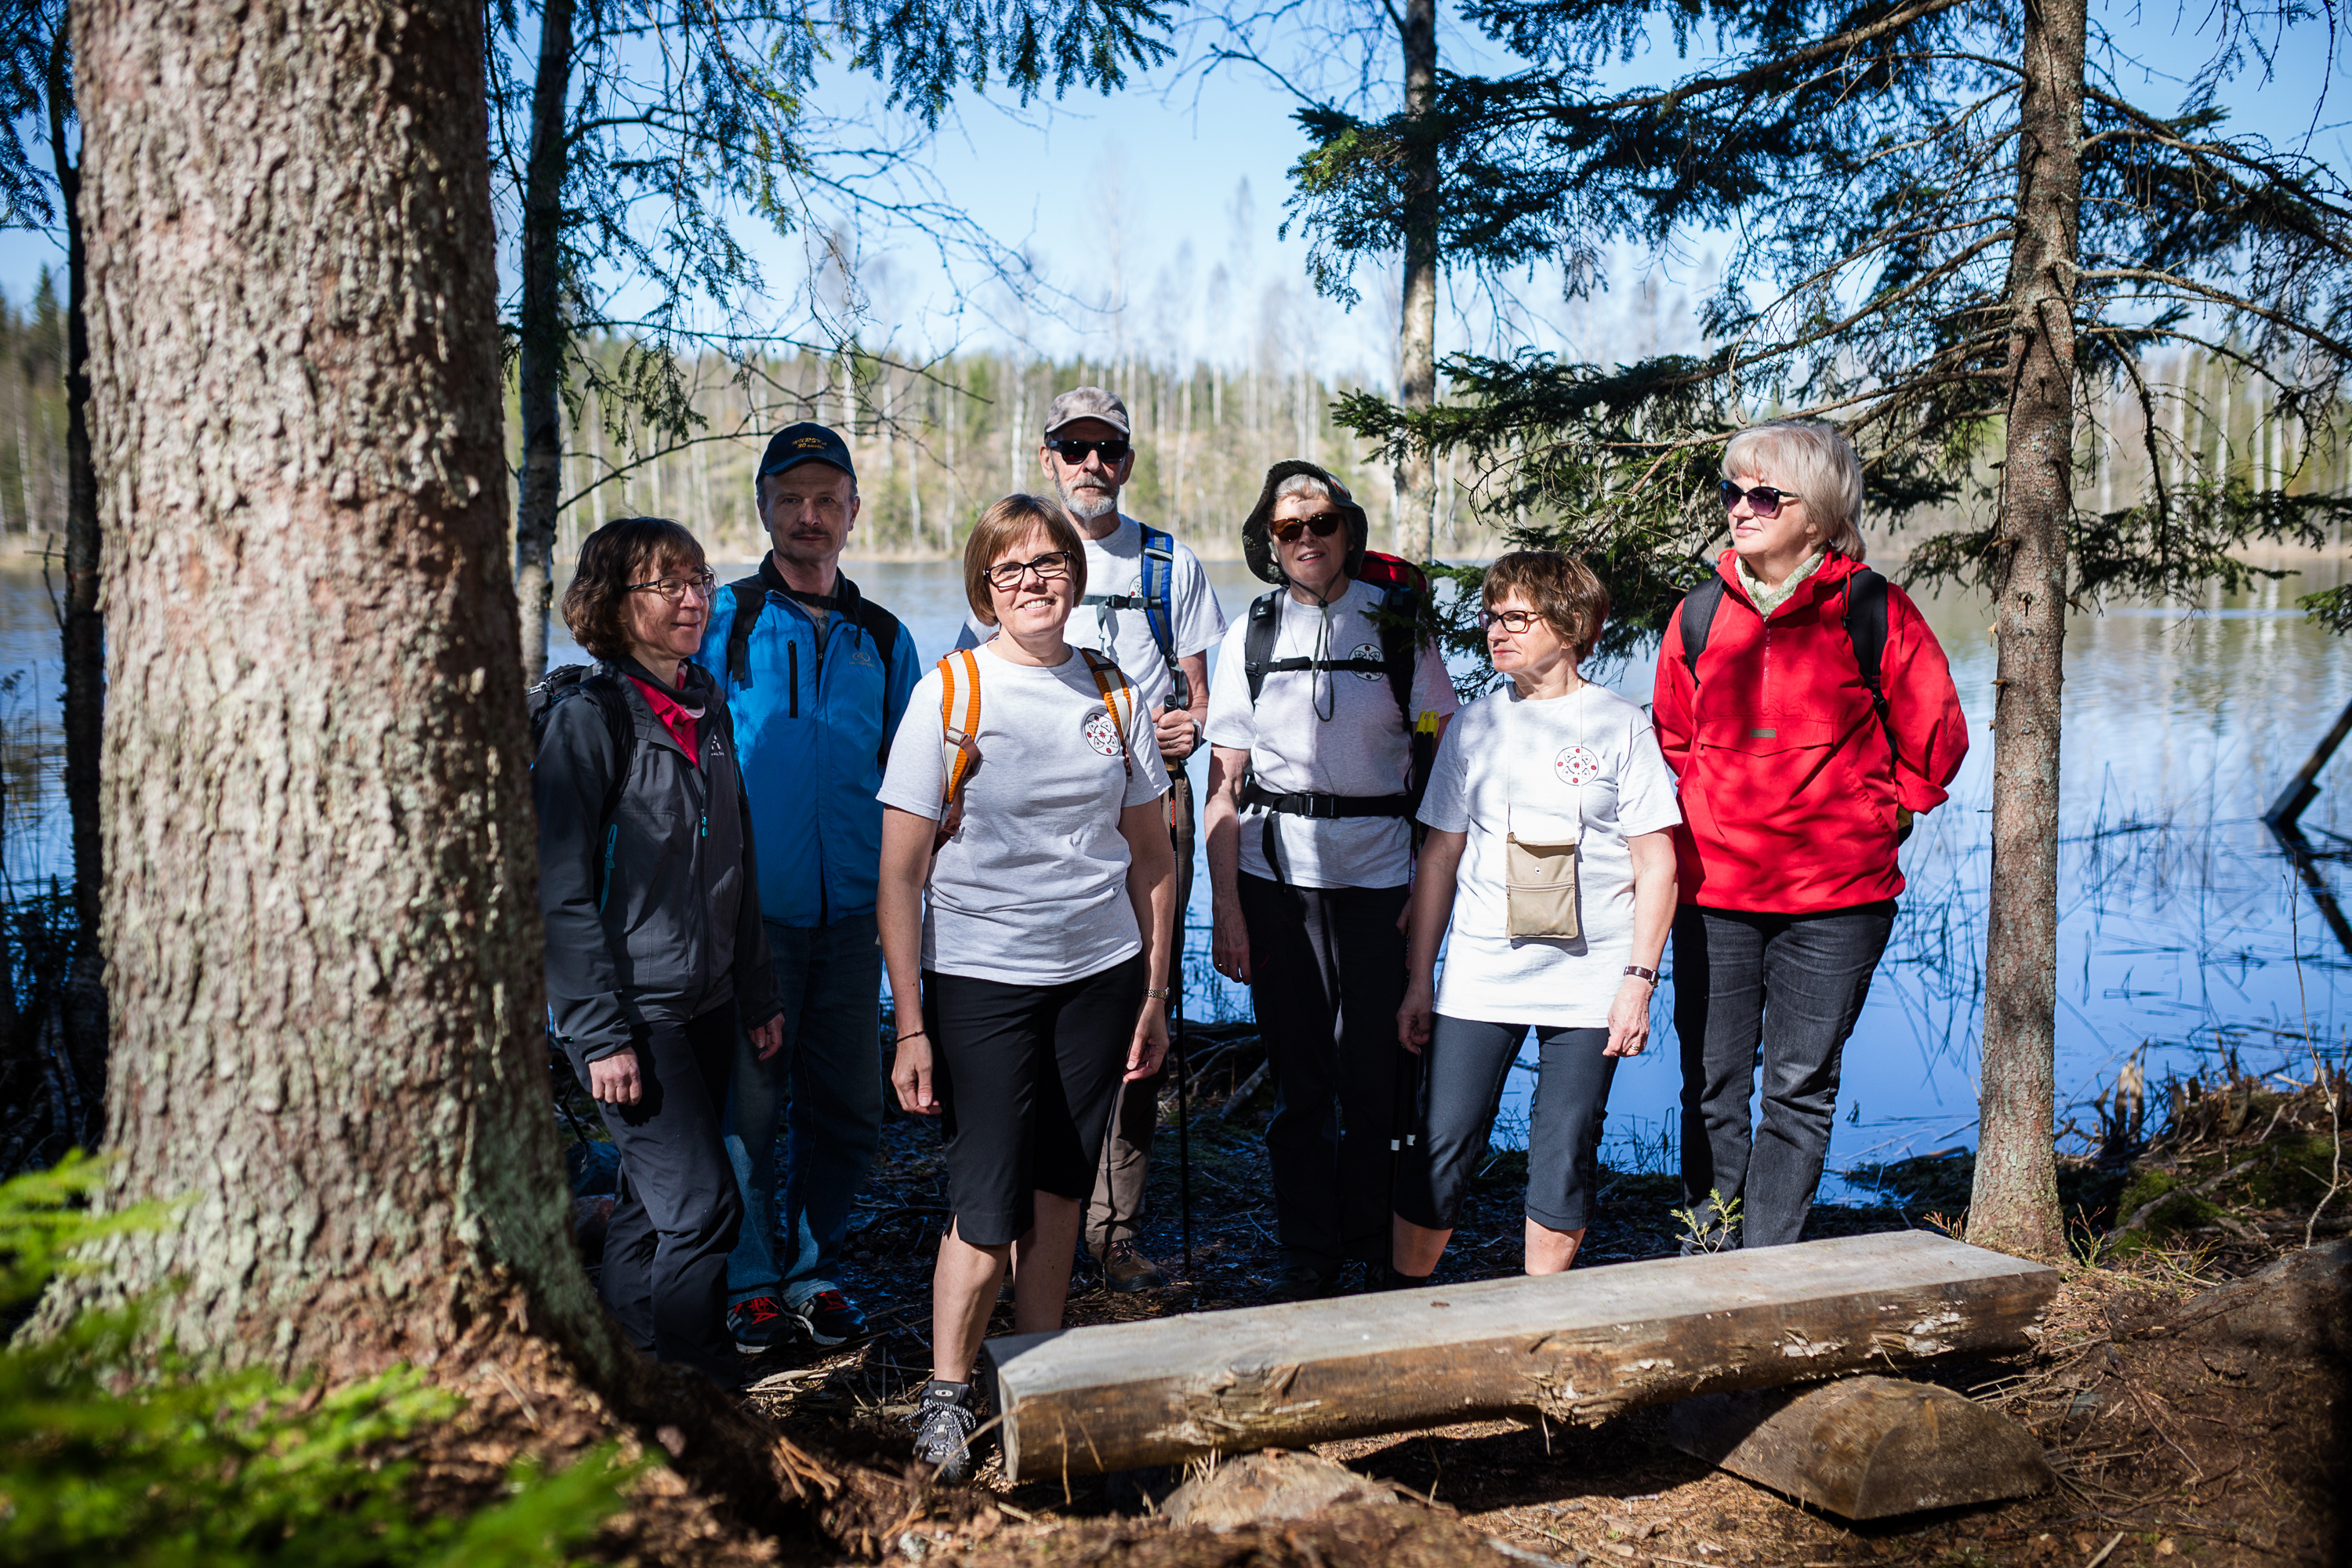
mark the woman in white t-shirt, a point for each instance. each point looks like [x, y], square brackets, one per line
[1032, 768]
[1549, 810]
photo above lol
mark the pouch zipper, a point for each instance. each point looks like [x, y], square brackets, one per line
[793, 653]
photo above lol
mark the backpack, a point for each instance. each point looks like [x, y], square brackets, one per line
[1156, 600]
[583, 680]
[1405, 590]
[960, 751]
[1865, 630]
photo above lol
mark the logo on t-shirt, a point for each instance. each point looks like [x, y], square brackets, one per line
[1102, 733]
[1576, 764]
[1371, 650]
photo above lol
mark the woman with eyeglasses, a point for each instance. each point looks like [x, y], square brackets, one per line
[1808, 712]
[654, 947]
[1549, 814]
[1023, 794]
[1312, 712]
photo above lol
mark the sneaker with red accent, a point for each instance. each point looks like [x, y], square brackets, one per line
[829, 1319]
[759, 1324]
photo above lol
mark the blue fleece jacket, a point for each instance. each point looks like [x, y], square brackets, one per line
[813, 727]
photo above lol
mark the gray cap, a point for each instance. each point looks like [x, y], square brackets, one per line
[1086, 402]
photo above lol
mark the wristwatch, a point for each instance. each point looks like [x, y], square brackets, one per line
[1636, 969]
[1156, 993]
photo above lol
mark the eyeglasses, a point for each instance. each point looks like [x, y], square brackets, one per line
[1763, 498]
[1322, 525]
[1050, 567]
[1074, 451]
[677, 588]
[1512, 621]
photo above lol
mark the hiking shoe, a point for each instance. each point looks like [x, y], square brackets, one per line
[1126, 1270]
[1301, 1283]
[943, 1422]
[830, 1319]
[759, 1324]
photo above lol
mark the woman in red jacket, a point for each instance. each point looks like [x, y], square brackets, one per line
[1794, 776]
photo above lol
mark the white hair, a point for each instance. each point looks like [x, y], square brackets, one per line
[1306, 485]
[1813, 462]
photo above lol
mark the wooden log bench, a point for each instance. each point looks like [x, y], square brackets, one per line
[1580, 1346]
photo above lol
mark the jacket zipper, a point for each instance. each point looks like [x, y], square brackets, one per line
[612, 843]
[793, 653]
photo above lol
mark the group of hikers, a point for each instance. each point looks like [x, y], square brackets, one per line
[1007, 839]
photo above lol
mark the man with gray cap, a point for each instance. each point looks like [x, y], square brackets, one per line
[1149, 606]
[816, 677]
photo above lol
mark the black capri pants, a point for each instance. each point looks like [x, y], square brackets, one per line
[1026, 1076]
[1464, 1066]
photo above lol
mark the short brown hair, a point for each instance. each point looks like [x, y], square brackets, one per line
[1560, 588]
[595, 607]
[1002, 526]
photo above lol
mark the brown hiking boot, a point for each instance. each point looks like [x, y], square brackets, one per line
[1126, 1270]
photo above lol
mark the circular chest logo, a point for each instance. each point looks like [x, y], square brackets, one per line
[1371, 650]
[1576, 765]
[1102, 733]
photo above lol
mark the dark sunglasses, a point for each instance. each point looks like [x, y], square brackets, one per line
[1322, 525]
[1074, 451]
[1763, 498]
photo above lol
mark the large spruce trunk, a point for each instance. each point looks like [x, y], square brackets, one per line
[1417, 327]
[320, 927]
[2014, 1206]
[539, 389]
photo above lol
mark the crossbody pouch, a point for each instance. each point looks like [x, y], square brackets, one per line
[1539, 874]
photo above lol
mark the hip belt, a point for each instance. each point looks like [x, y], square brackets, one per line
[1311, 803]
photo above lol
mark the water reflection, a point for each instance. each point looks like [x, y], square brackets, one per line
[2184, 932]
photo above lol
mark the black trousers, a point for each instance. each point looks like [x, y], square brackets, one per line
[1781, 991]
[1327, 977]
[665, 1273]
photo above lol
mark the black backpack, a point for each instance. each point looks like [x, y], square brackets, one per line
[567, 681]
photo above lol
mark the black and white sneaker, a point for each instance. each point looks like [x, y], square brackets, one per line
[759, 1325]
[943, 1422]
[829, 1319]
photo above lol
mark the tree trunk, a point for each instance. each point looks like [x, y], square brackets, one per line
[321, 936]
[2015, 1204]
[84, 628]
[1417, 330]
[539, 389]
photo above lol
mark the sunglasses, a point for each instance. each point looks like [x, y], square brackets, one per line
[1050, 567]
[1763, 498]
[1322, 525]
[1074, 451]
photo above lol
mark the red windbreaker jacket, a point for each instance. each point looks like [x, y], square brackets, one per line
[1788, 788]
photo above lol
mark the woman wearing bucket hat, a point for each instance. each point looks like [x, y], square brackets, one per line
[1318, 697]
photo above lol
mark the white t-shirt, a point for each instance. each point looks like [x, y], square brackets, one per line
[1325, 733]
[1591, 735]
[1032, 891]
[1115, 569]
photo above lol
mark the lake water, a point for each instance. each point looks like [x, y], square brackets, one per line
[2185, 933]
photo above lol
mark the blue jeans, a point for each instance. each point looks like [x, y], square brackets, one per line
[830, 978]
[1782, 993]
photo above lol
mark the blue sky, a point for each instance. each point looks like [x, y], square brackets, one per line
[1185, 173]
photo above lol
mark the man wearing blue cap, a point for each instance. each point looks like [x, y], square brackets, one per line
[816, 677]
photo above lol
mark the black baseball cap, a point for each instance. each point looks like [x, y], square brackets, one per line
[806, 442]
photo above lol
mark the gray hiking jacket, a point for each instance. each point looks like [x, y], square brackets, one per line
[657, 912]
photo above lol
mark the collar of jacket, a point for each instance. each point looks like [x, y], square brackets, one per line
[842, 603]
[692, 692]
[1827, 579]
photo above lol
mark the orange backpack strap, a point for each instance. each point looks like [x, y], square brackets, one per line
[960, 750]
[1110, 680]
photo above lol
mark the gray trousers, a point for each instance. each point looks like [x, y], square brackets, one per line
[1115, 1212]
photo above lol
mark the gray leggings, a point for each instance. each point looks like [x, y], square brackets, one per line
[1463, 1067]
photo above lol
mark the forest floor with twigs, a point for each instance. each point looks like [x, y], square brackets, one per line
[2191, 1410]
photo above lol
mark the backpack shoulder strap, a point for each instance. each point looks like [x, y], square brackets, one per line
[959, 723]
[1158, 570]
[1110, 680]
[604, 690]
[881, 626]
[1257, 643]
[1865, 627]
[751, 598]
[1400, 647]
[1698, 616]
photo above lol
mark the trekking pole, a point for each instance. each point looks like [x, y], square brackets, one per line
[1183, 1091]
